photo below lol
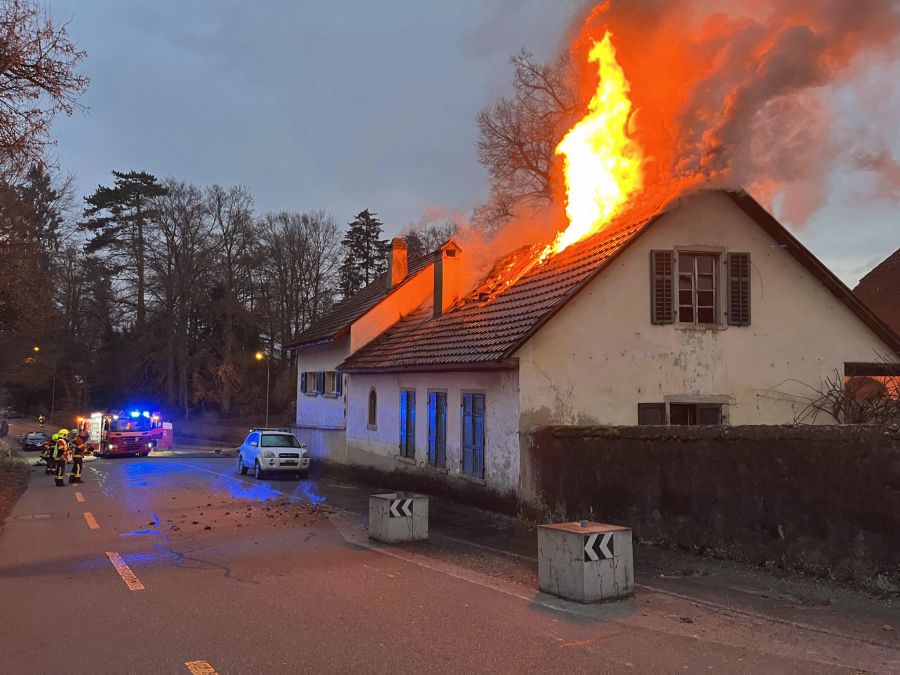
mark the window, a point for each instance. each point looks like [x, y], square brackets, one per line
[279, 441]
[651, 413]
[697, 288]
[308, 381]
[680, 413]
[373, 409]
[437, 428]
[408, 423]
[738, 289]
[661, 263]
[332, 383]
[695, 413]
[253, 439]
[473, 435]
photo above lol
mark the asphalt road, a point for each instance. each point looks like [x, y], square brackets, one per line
[179, 565]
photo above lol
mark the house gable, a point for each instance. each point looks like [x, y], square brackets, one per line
[599, 355]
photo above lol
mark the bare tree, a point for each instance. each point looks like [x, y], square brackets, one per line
[854, 400]
[231, 211]
[38, 80]
[518, 136]
[181, 260]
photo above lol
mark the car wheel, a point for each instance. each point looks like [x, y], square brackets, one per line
[257, 471]
[241, 467]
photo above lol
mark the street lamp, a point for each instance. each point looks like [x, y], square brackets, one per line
[262, 357]
[36, 349]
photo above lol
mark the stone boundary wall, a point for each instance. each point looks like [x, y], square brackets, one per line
[822, 500]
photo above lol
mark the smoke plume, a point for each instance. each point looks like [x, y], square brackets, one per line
[742, 93]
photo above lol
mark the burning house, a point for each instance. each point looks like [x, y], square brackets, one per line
[708, 313]
[700, 310]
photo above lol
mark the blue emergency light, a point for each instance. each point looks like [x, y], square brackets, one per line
[147, 414]
[135, 413]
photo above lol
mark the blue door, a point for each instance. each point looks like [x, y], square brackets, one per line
[473, 435]
[408, 423]
[437, 428]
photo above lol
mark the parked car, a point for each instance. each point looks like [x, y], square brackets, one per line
[34, 440]
[275, 451]
[12, 413]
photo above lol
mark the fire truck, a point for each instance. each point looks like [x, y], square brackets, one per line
[120, 432]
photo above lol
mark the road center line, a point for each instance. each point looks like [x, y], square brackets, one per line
[91, 521]
[200, 668]
[79, 497]
[129, 577]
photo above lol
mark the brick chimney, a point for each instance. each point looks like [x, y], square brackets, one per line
[446, 277]
[398, 265]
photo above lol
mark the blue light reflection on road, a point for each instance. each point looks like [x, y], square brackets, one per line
[238, 489]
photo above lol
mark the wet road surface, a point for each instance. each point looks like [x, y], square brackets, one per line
[169, 564]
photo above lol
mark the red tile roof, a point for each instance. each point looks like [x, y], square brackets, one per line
[880, 290]
[333, 324]
[488, 325]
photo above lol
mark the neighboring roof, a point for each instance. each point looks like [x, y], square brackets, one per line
[336, 322]
[880, 290]
[487, 327]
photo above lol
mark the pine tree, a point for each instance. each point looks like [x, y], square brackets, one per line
[364, 253]
[118, 216]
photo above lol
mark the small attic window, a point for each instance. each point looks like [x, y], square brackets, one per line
[451, 252]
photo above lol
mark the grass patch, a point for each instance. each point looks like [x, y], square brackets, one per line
[13, 481]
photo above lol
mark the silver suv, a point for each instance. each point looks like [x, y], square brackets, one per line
[275, 451]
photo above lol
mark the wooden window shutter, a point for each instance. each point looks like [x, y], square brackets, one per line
[338, 383]
[661, 286]
[303, 382]
[738, 289]
[320, 382]
[651, 413]
[709, 413]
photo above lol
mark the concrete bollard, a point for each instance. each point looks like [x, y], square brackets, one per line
[398, 517]
[585, 561]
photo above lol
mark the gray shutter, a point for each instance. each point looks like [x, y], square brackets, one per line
[320, 382]
[303, 382]
[662, 283]
[338, 383]
[709, 413]
[651, 413]
[738, 289]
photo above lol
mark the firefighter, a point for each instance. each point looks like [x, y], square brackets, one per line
[60, 456]
[41, 420]
[47, 453]
[78, 451]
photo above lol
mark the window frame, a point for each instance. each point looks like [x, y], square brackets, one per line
[695, 275]
[308, 380]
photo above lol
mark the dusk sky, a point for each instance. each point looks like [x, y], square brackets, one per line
[343, 106]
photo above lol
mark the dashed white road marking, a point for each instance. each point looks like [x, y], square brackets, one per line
[79, 497]
[91, 521]
[200, 668]
[129, 577]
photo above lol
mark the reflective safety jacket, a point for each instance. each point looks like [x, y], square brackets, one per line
[78, 447]
[61, 449]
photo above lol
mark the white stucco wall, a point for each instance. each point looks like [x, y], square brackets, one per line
[321, 411]
[601, 355]
[381, 447]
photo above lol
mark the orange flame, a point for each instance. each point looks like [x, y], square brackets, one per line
[603, 166]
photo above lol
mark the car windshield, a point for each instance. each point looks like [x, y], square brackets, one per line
[130, 424]
[280, 441]
[36, 437]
